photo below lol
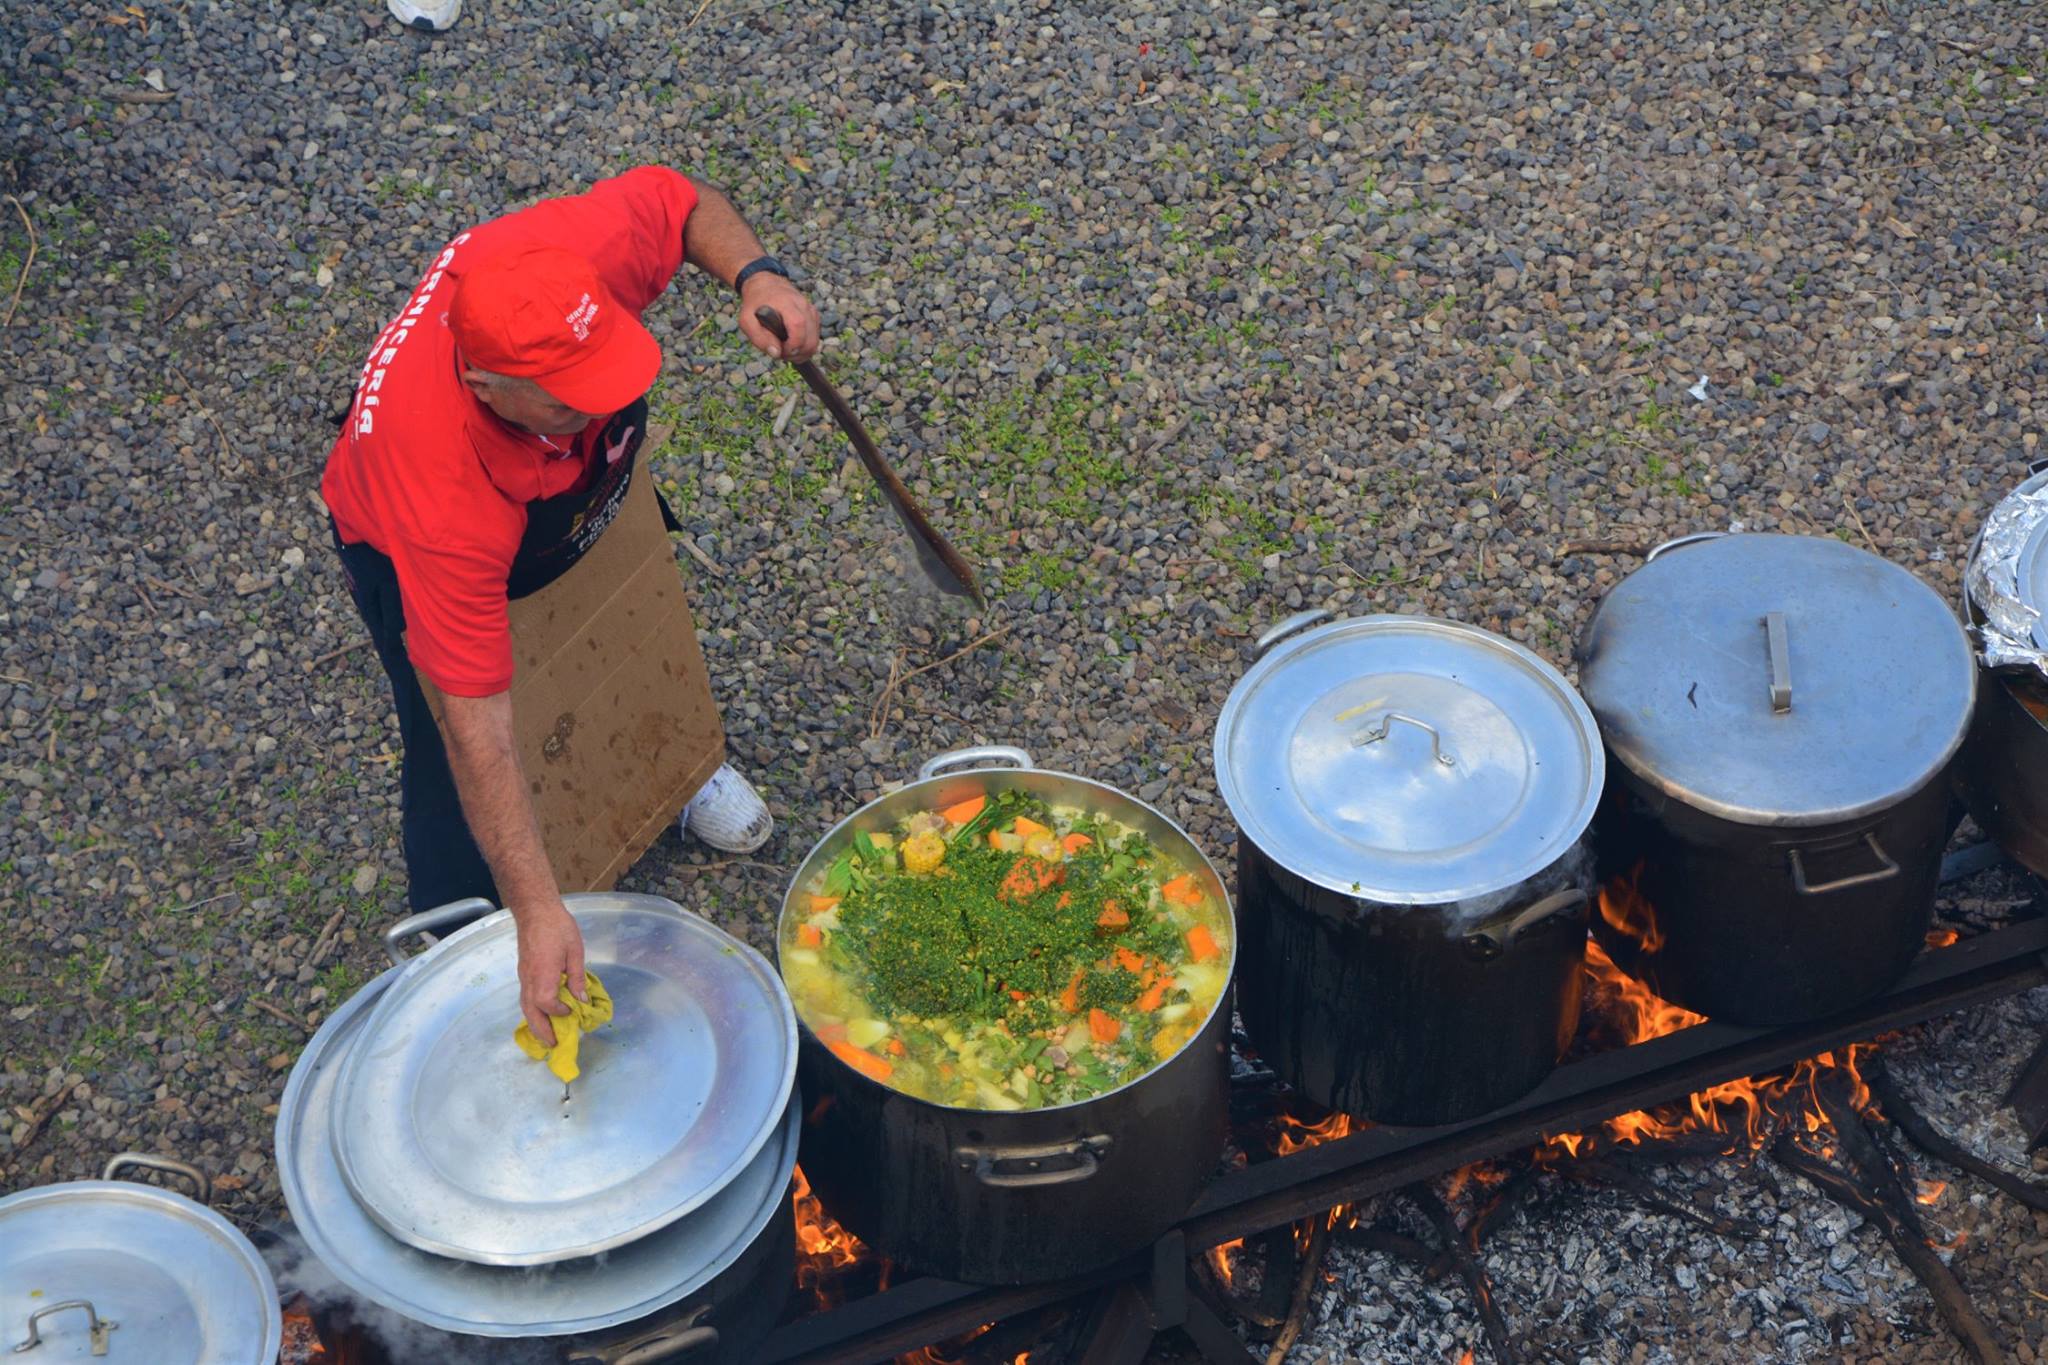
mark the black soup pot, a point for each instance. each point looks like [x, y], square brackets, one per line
[1412, 887]
[1783, 713]
[1014, 1196]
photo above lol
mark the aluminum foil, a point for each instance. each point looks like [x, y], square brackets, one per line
[2005, 634]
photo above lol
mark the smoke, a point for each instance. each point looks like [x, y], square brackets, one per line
[401, 1340]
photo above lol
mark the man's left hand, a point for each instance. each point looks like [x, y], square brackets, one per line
[798, 316]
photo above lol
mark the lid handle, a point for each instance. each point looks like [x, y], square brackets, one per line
[1375, 733]
[98, 1326]
[165, 1164]
[1301, 620]
[433, 921]
[1781, 662]
[980, 753]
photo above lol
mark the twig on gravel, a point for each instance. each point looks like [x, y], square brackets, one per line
[280, 1015]
[323, 944]
[39, 1114]
[1305, 1278]
[336, 653]
[1943, 1148]
[698, 15]
[695, 869]
[878, 718]
[1469, 1268]
[1858, 516]
[120, 95]
[26, 264]
[1601, 547]
[194, 905]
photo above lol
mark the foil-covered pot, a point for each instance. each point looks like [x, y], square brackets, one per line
[2007, 579]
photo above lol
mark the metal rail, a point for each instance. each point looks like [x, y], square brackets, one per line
[1377, 1160]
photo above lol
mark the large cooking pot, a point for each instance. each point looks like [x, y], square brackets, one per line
[2003, 776]
[1784, 711]
[1010, 1197]
[703, 1288]
[119, 1271]
[1410, 796]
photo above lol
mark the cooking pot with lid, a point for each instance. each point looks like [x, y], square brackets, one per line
[1411, 796]
[1783, 712]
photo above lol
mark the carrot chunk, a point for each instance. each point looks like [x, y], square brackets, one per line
[1103, 1028]
[1070, 998]
[1155, 994]
[1130, 961]
[1113, 917]
[1202, 943]
[1182, 890]
[863, 1061]
[1074, 843]
[1028, 828]
[965, 810]
[809, 935]
[820, 904]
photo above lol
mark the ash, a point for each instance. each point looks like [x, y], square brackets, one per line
[1584, 1274]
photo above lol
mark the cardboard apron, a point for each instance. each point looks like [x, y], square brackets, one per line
[611, 700]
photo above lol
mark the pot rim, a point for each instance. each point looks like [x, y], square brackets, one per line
[931, 778]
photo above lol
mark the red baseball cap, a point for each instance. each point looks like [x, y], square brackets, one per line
[541, 313]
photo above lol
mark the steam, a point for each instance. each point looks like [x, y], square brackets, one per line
[402, 1340]
[1575, 868]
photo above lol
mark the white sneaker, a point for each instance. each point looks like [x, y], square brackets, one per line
[428, 16]
[728, 814]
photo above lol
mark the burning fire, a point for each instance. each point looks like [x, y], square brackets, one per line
[1629, 915]
[1931, 1191]
[1293, 1134]
[1627, 1012]
[823, 1248]
[1221, 1260]
[1941, 938]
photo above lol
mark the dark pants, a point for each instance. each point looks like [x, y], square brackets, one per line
[442, 862]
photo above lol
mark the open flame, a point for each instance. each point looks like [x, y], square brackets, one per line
[1625, 910]
[949, 1352]
[302, 1344]
[1931, 1191]
[1292, 1134]
[1744, 1111]
[1223, 1260]
[824, 1250]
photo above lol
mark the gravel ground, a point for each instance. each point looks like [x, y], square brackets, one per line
[1182, 317]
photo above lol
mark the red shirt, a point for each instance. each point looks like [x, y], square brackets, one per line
[432, 478]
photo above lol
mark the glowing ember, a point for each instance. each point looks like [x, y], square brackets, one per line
[1222, 1260]
[1466, 1359]
[1954, 1245]
[1941, 938]
[823, 1248]
[302, 1344]
[949, 1353]
[1629, 915]
[1478, 1177]
[1624, 1011]
[1931, 1191]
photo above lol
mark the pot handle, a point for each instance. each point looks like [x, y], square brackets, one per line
[1693, 539]
[1279, 631]
[432, 922]
[670, 1343]
[1486, 945]
[165, 1164]
[980, 753]
[1887, 870]
[996, 1166]
[97, 1327]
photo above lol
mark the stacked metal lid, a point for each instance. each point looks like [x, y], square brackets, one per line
[436, 1170]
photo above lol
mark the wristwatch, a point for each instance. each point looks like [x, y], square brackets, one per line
[755, 267]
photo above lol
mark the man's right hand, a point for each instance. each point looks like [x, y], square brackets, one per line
[550, 948]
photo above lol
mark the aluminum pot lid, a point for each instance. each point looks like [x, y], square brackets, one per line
[2006, 580]
[165, 1280]
[456, 1143]
[1779, 680]
[585, 1295]
[1408, 760]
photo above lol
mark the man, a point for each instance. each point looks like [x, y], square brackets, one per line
[490, 441]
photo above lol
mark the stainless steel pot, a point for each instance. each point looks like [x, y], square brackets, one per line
[1411, 795]
[1783, 711]
[114, 1270]
[1010, 1197]
[2003, 775]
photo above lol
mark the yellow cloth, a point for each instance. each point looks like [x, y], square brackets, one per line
[569, 1028]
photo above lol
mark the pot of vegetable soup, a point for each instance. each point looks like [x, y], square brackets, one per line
[1013, 994]
[1411, 797]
